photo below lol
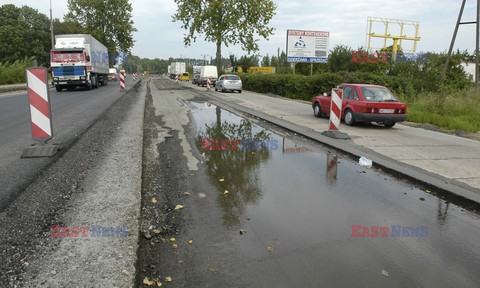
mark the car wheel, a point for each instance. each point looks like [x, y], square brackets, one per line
[223, 90]
[389, 124]
[58, 88]
[348, 118]
[317, 111]
[239, 91]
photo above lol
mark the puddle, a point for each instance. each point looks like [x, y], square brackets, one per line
[300, 199]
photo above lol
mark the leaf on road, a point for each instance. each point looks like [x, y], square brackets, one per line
[147, 282]
[243, 231]
[201, 195]
[168, 279]
[186, 194]
[156, 231]
[226, 192]
[178, 207]
[190, 241]
[270, 248]
[175, 246]
[173, 239]
[154, 200]
[384, 273]
[159, 284]
[221, 180]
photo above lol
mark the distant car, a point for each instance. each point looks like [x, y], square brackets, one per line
[112, 74]
[185, 76]
[229, 82]
[196, 78]
[364, 103]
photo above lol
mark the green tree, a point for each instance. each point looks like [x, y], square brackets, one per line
[24, 32]
[66, 27]
[226, 22]
[109, 21]
[266, 61]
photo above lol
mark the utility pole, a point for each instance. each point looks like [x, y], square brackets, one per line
[51, 25]
[477, 64]
[204, 58]
[278, 59]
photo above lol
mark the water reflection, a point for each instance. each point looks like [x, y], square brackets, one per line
[239, 169]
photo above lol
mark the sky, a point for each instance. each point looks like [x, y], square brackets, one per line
[159, 37]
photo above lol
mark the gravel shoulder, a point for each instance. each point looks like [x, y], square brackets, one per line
[97, 182]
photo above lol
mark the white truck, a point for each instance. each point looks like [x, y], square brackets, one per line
[177, 68]
[208, 72]
[79, 60]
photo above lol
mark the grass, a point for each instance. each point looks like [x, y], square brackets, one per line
[457, 111]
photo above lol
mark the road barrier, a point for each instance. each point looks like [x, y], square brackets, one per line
[335, 110]
[122, 80]
[39, 99]
[134, 76]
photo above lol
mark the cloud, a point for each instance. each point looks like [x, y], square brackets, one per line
[158, 36]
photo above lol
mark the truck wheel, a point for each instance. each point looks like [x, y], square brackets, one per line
[58, 88]
[94, 81]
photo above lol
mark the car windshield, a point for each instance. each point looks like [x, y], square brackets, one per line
[378, 94]
[232, 77]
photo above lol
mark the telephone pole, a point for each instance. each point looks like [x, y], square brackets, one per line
[51, 25]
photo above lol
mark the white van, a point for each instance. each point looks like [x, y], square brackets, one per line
[205, 72]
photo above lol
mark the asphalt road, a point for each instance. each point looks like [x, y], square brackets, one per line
[72, 112]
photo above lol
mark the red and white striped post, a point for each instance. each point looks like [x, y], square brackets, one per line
[134, 76]
[335, 116]
[122, 80]
[335, 110]
[39, 99]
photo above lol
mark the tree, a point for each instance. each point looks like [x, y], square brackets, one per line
[109, 21]
[266, 61]
[226, 22]
[24, 32]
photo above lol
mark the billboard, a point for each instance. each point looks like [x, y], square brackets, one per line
[307, 46]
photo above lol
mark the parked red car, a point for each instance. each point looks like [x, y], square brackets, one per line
[364, 103]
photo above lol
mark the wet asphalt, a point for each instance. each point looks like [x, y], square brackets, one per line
[297, 214]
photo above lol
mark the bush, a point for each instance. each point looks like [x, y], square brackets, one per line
[14, 73]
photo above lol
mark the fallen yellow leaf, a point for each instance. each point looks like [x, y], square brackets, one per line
[168, 279]
[154, 200]
[178, 207]
[221, 180]
[156, 231]
[175, 246]
[186, 194]
[190, 241]
[226, 192]
[384, 273]
[173, 239]
[159, 284]
[270, 248]
[147, 282]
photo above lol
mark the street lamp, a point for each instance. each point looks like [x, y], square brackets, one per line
[51, 25]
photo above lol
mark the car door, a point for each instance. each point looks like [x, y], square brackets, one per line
[346, 97]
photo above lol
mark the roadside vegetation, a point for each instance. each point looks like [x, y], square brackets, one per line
[12, 73]
[450, 103]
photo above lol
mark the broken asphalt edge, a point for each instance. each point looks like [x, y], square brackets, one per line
[448, 186]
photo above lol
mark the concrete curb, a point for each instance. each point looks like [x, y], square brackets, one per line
[448, 186]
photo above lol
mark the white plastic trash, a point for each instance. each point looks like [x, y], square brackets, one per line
[365, 162]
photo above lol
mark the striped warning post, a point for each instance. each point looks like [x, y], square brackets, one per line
[39, 99]
[335, 110]
[134, 76]
[332, 164]
[122, 80]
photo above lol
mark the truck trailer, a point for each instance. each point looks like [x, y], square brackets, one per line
[79, 60]
[176, 69]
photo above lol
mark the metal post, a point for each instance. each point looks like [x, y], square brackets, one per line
[453, 39]
[51, 25]
[311, 69]
[477, 60]
[278, 60]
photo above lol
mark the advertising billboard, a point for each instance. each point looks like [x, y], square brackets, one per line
[305, 46]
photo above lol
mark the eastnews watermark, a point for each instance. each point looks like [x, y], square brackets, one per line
[359, 231]
[364, 57]
[96, 231]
